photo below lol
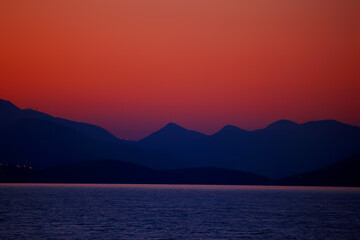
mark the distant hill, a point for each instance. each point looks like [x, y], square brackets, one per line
[343, 173]
[112, 171]
[39, 140]
[282, 149]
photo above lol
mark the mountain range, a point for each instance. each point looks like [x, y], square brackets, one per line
[29, 137]
[282, 149]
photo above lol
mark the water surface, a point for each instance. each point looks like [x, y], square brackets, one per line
[112, 211]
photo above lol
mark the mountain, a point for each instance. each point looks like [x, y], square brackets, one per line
[229, 132]
[176, 140]
[284, 148]
[343, 173]
[104, 171]
[10, 113]
[173, 134]
[33, 138]
[212, 175]
[112, 171]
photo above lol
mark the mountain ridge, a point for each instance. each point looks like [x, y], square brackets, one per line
[281, 149]
[34, 138]
[342, 173]
[115, 171]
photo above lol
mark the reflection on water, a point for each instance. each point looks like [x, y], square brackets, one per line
[112, 211]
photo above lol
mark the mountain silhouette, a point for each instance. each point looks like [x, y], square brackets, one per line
[343, 173]
[176, 140]
[28, 137]
[114, 171]
[281, 124]
[9, 113]
[284, 148]
[173, 133]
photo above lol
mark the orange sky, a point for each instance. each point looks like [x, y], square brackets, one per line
[132, 66]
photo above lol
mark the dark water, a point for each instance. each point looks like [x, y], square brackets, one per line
[177, 212]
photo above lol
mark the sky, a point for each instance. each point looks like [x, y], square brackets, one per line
[131, 66]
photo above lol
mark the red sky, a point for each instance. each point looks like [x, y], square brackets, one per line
[132, 66]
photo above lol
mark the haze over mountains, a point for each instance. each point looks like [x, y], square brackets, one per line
[284, 148]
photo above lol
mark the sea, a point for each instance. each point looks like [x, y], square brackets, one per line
[118, 211]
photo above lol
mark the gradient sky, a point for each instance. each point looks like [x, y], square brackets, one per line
[132, 66]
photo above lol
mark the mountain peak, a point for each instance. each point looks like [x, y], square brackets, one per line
[327, 122]
[282, 123]
[172, 127]
[7, 106]
[230, 128]
[172, 131]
